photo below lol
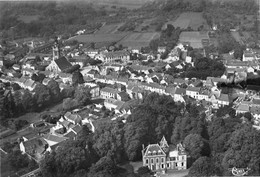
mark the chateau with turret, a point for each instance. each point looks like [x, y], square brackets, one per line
[162, 157]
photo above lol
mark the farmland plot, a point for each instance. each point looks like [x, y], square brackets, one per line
[189, 19]
[138, 40]
[109, 29]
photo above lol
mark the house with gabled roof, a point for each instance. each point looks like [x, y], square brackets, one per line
[76, 129]
[170, 90]
[193, 92]
[73, 118]
[34, 147]
[111, 103]
[53, 139]
[242, 108]
[162, 157]
[224, 100]
[108, 92]
[203, 94]
[179, 95]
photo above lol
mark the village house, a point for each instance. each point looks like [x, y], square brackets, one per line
[113, 104]
[94, 89]
[203, 95]
[66, 78]
[53, 139]
[78, 60]
[122, 96]
[248, 56]
[224, 100]
[162, 157]
[108, 92]
[91, 52]
[193, 92]
[179, 95]
[161, 49]
[113, 57]
[242, 109]
[73, 118]
[34, 148]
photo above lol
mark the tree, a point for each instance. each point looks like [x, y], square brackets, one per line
[8, 147]
[104, 167]
[69, 104]
[28, 101]
[68, 92]
[144, 171]
[154, 44]
[42, 95]
[73, 156]
[194, 145]
[15, 86]
[18, 160]
[202, 167]
[77, 78]
[82, 95]
[54, 90]
[243, 150]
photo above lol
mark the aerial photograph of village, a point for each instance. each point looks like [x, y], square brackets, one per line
[129, 88]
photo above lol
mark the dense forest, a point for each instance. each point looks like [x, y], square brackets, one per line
[213, 147]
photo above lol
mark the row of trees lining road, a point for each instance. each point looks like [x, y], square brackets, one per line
[214, 146]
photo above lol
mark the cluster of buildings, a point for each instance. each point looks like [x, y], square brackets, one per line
[121, 82]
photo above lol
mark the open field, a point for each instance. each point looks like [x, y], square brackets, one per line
[189, 19]
[195, 38]
[109, 29]
[28, 18]
[129, 4]
[138, 40]
[97, 38]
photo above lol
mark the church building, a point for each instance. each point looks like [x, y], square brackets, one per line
[58, 63]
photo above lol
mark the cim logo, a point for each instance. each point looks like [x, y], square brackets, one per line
[239, 171]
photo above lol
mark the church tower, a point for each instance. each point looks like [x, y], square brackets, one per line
[56, 49]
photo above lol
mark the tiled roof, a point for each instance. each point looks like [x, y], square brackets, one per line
[77, 128]
[224, 97]
[71, 134]
[193, 89]
[256, 101]
[109, 90]
[255, 110]
[29, 83]
[170, 90]
[115, 54]
[54, 138]
[140, 67]
[123, 95]
[153, 150]
[243, 108]
[63, 63]
[34, 145]
[180, 91]
[73, 117]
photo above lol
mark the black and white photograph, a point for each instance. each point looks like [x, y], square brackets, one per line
[129, 88]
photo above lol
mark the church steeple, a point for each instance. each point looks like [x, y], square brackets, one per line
[56, 49]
